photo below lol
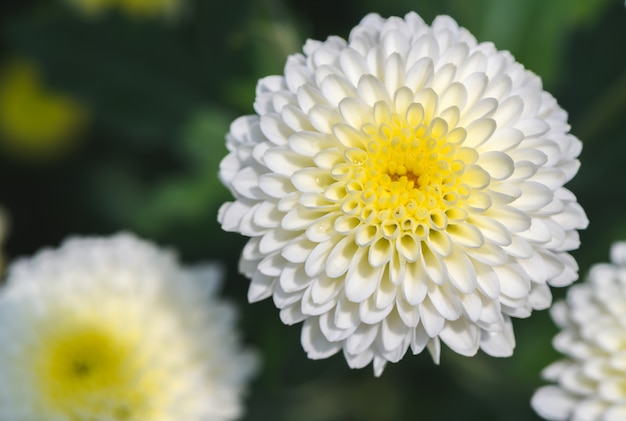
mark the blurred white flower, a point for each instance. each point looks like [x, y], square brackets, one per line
[115, 329]
[591, 379]
[403, 187]
[3, 234]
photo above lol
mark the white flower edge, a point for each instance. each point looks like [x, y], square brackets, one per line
[3, 234]
[587, 382]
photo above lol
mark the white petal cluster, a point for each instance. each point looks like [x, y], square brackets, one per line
[590, 382]
[113, 328]
[401, 188]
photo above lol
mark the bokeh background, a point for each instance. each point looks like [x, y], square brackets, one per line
[113, 115]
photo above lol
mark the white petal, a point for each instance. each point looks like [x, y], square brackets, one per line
[297, 75]
[472, 306]
[341, 257]
[394, 42]
[498, 165]
[509, 111]
[479, 131]
[540, 296]
[359, 360]
[294, 117]
[353, 65]
[532, 127]
[284, 161]
[415, 285]
[324, 118]
[320, 231]
[355, 112]
[615, 413]
[487, 280]
[465, 234]
[514, 282]
[335, 88]
[261, 287]
[231, 214]
[293, 278]
[283, 298]
[419, 339]
[461, 272]
[372, 90]
[297, 250]
[379, 366]
[553, 403]
[409, 313]
[462, 336]
[266, 215]
[370, 313]
[592, 409]
[361, 279]
[394, 72]
[292, 314]
[346, 314]
[309, 96]
[385, 294]
[500, 342]
[505, 139]
[433, 266]
[408, 247]
[308, 306]
[275, 129]
[275, 185]
[534, 196]
[445, 301]
[393, 331]
[324, 289]
[431, 319]
[272, 265]
[439, 243]
[362, 338]
[512, 218]
[419, 74]
[309, 143]
[316, 261]
[380, 252]
[434, 348]
[314, 342]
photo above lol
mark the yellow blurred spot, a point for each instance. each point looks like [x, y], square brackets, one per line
[35, 123]
[92, 7]
[132, 8]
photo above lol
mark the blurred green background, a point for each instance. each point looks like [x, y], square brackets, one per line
[114, 119]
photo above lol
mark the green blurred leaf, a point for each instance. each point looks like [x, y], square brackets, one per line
[140, 79]
[180, 201]
[188, 198]
[536, 31]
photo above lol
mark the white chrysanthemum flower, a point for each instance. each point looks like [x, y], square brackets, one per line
[591, 380]
[114, 329]
[402, 188]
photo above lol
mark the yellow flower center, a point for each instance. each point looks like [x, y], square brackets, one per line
[409, 176]
[87, 371]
